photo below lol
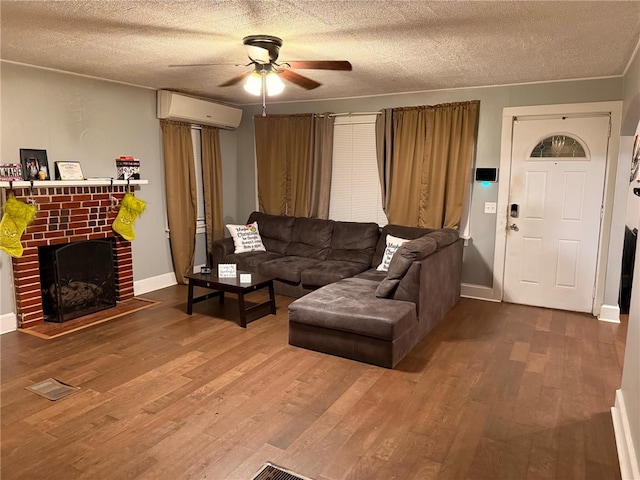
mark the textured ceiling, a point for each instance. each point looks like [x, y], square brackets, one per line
[394, 46]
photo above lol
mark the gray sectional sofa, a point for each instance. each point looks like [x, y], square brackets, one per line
[344, 305]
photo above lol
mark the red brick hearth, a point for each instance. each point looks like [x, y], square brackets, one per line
[67, 214]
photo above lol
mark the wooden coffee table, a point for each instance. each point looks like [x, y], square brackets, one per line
[232, 285]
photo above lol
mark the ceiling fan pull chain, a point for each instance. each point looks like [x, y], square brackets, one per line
[264, 94]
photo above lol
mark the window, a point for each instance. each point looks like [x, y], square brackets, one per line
[355, 185]
[558, 146]
[197, 159]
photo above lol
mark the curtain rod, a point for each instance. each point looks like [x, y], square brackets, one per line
[349, 114]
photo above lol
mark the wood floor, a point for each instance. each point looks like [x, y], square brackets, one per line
[496, 391]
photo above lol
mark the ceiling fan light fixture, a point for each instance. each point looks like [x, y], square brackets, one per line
[275, 85]
[253, 84]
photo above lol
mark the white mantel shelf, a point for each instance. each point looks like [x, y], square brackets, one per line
[69, 183]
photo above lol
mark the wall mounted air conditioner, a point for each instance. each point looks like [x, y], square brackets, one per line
[174, 106]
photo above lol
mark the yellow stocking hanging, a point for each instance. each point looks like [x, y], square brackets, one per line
[130, 209]
[17, 215]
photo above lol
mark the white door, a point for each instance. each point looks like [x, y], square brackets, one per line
[555, 201]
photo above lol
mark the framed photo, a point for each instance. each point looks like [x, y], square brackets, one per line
[10, 171]
[69, 171]
[34, 164]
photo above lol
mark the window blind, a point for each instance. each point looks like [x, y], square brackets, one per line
[355, 186]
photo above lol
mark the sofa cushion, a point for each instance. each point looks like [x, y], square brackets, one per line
[403, 259]
[246, 238]
[311, 238]
[250, 261]
[276, 230]
[350, 305]
[400, 231]
[287, 268]
[372, 274]
[330, 271]
[354, 242]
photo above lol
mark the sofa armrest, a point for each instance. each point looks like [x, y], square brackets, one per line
[440, 280]
[220, 249]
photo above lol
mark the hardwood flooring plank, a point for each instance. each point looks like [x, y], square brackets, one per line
[460, 456]
[496, 390]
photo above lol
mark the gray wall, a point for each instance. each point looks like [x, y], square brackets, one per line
[478, 257]
[94, 121]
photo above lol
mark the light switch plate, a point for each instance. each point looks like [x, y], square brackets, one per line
[489, 207]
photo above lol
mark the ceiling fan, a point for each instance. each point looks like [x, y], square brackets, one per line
[263, 51]
[264, 79]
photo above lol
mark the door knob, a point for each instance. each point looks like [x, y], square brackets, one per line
[514, 227]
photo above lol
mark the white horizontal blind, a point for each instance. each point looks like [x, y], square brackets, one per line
[197, 159]
[355, 186]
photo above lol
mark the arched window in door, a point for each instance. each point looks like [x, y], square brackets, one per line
[559, 146]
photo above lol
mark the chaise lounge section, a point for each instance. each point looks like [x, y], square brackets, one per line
[378, 317]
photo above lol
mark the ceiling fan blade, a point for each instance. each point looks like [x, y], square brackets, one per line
[298, 79]
[321, 64]
[235, 79]
[258, 54]
[207, 64]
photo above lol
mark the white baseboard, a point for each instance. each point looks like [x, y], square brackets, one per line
[140, 287]
[196, 268]
[629, 467]
[609, 313]
[477, 292]
[8, 322]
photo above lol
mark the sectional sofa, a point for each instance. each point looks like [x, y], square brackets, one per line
[345, 305]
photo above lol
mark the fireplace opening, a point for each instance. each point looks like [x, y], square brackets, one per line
[76, 279]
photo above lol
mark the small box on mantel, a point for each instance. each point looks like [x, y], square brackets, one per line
[127, 168]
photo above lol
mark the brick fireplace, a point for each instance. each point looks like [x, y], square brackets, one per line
[65, 215]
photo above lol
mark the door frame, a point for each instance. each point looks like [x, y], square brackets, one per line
[614, 109]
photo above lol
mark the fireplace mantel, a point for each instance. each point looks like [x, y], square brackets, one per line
[68, 183]
[67, 212]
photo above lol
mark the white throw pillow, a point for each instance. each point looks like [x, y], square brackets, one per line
[393, 244]
[246, 238]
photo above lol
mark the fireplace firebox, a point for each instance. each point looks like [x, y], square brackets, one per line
[76, 279]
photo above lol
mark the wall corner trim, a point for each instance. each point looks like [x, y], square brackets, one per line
[8, 323]
[629, 467]
[478, 292]
[609, 313]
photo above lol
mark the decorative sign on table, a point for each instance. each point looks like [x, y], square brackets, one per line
[226, 270]
[245, 278]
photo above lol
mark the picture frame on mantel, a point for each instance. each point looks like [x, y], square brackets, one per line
[35, 165]
[69, 171]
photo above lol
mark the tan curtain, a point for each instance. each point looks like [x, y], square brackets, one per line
[431, 152]
[181, 194]
[283, 155]
[321, 166]
[212, 181]
[384, 137]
